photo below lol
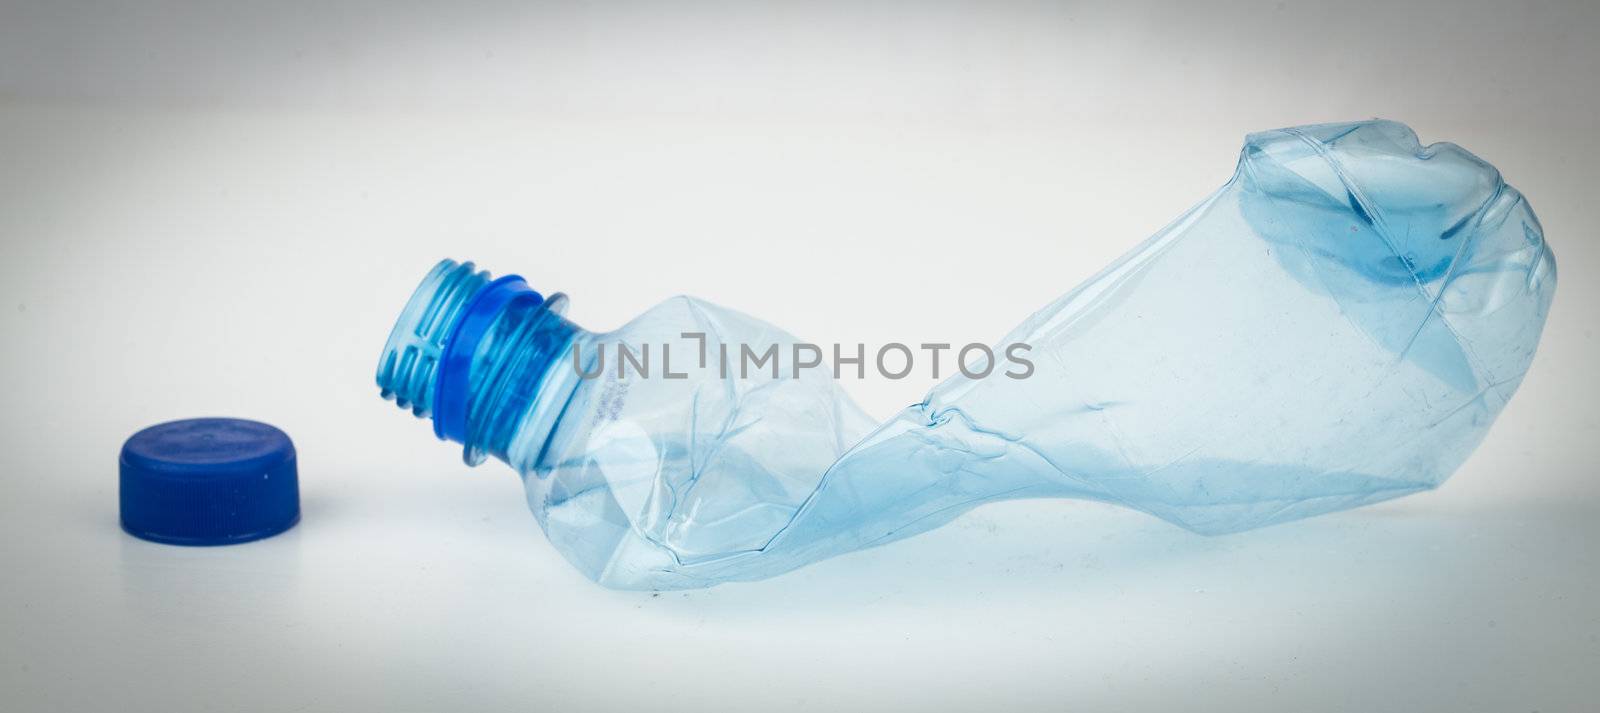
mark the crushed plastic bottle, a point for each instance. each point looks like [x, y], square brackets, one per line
[1337, 325]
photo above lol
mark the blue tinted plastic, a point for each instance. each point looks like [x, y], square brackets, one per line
[1336, 326]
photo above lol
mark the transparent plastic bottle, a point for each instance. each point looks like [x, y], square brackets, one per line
[1336, 326]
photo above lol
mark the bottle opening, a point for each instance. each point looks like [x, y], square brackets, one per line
[408, 370]
[460, 349]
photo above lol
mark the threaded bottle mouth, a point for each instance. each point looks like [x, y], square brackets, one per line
[409, 367]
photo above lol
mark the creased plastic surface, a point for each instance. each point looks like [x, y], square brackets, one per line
[1338, 325]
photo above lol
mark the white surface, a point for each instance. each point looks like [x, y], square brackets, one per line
[221, 210]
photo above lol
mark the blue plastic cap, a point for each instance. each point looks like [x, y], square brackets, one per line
[209, 481]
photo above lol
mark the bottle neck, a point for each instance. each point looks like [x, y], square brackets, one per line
[481, 357]
[513, 372]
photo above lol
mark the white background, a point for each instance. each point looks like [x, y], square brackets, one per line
[219, 210]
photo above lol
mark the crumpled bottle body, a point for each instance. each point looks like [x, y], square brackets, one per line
[1336, 326]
